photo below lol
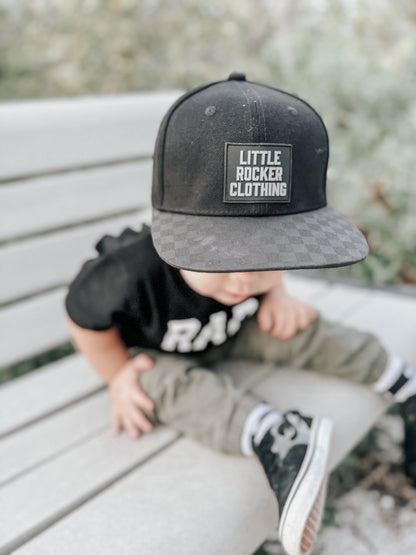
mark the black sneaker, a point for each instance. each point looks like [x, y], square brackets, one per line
[408, 409]
[294, 455]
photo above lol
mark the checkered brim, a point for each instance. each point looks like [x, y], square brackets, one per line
[318, 239]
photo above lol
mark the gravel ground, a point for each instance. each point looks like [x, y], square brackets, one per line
[376, 513]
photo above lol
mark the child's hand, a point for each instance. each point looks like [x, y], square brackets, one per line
[128, 398]
[282, 316]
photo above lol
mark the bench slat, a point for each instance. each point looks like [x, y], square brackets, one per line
[27, 266]
[63, 429]
[47, 203]
[340, 300]
[46, 390]
[333, 301]
[58, 486]
[165, 492]
[43, 440]
[392, 318]
[304, 288]
[54, 134]
[32, 327]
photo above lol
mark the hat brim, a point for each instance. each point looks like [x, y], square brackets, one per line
[321, 238]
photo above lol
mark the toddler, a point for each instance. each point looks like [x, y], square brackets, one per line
[238, 197]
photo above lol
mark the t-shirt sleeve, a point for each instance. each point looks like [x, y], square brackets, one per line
[98, 291]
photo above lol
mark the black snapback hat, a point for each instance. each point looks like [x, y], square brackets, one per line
[239, 181]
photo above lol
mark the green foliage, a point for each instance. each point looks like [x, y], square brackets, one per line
[353, 61]
[21, 368]
[387, 217]
[346, 474]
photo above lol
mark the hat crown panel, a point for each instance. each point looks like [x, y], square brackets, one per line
[190, 152]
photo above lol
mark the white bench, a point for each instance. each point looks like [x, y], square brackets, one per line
[70, 171]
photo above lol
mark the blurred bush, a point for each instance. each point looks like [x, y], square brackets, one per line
[352, 60]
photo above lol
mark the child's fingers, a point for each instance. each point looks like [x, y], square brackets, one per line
[143, 362]
[284, 327]
[313, 313]
[265, 319]
[142, 400]
[307, 315]
[131, 428]
[139, 420]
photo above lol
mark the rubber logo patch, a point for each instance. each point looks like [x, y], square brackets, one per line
[257, 172]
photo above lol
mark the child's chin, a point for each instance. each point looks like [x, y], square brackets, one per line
[231, 299]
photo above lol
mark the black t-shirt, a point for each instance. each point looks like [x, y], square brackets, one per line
[130, 287]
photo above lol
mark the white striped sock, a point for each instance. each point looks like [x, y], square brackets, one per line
[262, 413]
[390, 375]
[398, 381]
[264, 426]
[409, 388]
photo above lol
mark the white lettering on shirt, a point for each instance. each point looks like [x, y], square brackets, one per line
[185, 336]
[240, 313]
[180, 334]
[213, 332]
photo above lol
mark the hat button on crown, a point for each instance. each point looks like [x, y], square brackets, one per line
[237, 76]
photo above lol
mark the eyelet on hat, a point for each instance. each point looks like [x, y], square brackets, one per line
[237, 76]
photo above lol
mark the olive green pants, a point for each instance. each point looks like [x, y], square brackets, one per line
[207, 406]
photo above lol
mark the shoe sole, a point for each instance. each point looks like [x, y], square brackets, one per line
[302, 514]
[313, 523]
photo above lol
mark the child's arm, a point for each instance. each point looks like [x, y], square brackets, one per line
[109, 356]
[281, 315]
